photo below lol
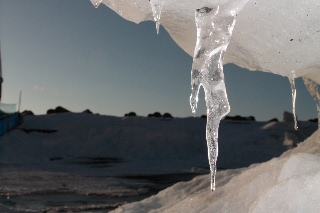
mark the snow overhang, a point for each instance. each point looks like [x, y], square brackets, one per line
[277, 36]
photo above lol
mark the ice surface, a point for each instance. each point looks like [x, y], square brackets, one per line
[294, 96]
[312, 87]
[214, 30]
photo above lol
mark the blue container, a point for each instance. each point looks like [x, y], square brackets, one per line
[8, 122]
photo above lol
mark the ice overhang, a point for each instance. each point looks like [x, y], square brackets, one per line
[276, 36]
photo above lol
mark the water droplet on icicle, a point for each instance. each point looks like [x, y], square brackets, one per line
[156, 6]
[294, 96]
[214, 30]
[312, 87]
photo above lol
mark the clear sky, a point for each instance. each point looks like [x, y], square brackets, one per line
[67, 53]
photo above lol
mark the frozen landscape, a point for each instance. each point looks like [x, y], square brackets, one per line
[83, 162]
[258, 41]
[99, 163]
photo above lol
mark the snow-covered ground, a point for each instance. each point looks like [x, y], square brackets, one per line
[289, 183]
[93, 163]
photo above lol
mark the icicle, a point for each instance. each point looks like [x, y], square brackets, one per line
[214, 30]
[312, 87]
[156, 6]
[294, 95]
[97, 4]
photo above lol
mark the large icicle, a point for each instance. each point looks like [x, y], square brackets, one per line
[156, 6]
[294, 96]
[214, 30]
[312, 87]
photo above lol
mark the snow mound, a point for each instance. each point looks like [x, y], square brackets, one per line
[289, 183]
[276, 36]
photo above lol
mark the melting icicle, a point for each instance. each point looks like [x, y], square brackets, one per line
[312, 87]
[156, 6]
[97, 4]
[214, 30]
[294, 95]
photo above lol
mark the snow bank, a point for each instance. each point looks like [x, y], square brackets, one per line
[145, 145]
[275, 36]
[289, 183]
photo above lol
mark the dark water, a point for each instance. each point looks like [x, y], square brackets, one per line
[39, 191]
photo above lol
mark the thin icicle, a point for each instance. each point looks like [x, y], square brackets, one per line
[97, 4]
[312, 87]
[214, 30]
[294, 96]
[156, 6]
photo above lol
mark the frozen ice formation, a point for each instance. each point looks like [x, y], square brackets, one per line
[294, 96]
[97, 3]
[156, 6]
[275, 36]
[214, 30]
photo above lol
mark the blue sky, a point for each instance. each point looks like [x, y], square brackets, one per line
[70, 54]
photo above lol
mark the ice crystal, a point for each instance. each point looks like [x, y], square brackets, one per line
[214, 30]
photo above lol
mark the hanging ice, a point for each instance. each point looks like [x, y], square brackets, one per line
[214, 29]
[294, 96]
[156, 6]
[312, 87]
[97, 4]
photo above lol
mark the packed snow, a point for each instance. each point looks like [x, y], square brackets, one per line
[275, 36]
